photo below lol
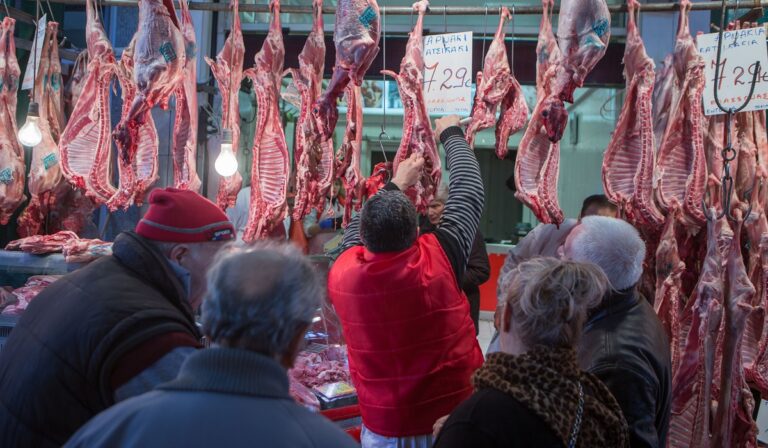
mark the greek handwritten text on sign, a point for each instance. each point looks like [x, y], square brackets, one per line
[448, 73]
[742, 49]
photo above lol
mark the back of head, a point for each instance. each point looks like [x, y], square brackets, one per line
[441, 195]
[612, 244]
[388, 222]
[598, 204]
[260, 297]
[549, 299]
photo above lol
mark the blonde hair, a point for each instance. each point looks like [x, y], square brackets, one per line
[549, 299]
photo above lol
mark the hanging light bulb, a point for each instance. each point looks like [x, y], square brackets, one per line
[29, 134]
[226, 162]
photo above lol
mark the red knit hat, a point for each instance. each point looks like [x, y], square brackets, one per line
[183, 216]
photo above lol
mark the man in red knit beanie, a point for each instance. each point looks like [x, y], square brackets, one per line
[112, 329]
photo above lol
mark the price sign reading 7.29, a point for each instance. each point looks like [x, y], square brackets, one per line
[448, 73]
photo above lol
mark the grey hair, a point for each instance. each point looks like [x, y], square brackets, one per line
[441, 195]
[388, 222]
[260, 296]
[549, 299]
[612, 244]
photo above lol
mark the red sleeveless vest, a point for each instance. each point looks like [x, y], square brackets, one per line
[411, 341]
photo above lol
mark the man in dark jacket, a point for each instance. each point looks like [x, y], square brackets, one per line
[114, 328]
[260, 303]
[624, 343]
[478, 268]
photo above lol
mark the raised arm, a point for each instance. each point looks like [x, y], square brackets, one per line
[461, 218]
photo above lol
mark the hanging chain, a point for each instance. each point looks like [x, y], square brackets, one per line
[384, 89]
[728, 154]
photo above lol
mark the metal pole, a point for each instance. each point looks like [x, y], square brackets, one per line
[450, 10]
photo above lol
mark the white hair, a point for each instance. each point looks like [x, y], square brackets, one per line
[612, 244]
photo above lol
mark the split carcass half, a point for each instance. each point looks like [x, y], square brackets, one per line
[497, 86]
[157, 69]
[669, 271]
[184, 144]
[12, 166]
[228, 71]
[629, 159]
[313, 153]
[356, 37]
[348, 157]
[270, 166]
[45, 177]
[538, 154]
[418, 137]
[681, 165]
[86, 143]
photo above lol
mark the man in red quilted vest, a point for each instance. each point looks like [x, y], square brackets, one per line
[411, 341]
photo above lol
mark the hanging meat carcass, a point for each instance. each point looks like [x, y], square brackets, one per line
[45, 176]
[356, 37]
[497, 86]
[313, 153]
[663, 91]
[418, 137]
[681, 165]
[86, 143]
[536, 147]
[629, 160]
[348, 157]
[270, 166]
[228, 71]
[12, 166]
[77, 78]
[184, 144]
[156, 68]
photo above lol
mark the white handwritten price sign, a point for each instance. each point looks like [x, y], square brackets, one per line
[742, 49]
[448, 73]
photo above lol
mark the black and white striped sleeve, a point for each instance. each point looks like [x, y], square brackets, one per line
[461, 217]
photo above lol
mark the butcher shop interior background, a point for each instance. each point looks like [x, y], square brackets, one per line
[592, 116]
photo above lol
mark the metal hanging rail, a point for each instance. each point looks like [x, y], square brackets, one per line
[438, 10]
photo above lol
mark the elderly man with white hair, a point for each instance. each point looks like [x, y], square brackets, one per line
[624, 343]
[259, 304]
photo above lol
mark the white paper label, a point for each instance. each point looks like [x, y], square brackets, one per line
[29, 75]
[741, 51]
[448, 73]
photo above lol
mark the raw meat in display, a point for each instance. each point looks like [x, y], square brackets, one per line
[538, 158]
[681, 164]
[629, 160]
[313, 153]
[184, 145]
[418, 137]
[228, 71]
[497, 86]
[12, 166]
[86, 143]
[45, 177]
[158, 59]
[348, 160]
[29, 291]
[43, 244]
[74, 86]
[85, 250]
[317, 369]
[270, 165]
[663, 92]
[356, 37]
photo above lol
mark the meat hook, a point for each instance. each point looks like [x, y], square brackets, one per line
[512, 44]
[7, 12]
[485, 33]
[445, 19]
[748, 194]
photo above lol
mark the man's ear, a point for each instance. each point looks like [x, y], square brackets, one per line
[178, 252]
[506, 318]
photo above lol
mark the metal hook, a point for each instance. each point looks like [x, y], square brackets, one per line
[512, 44]
[748, 195]
[485, 33]
[7, 12]
[723, 13]
[381, 144]
[445, 19]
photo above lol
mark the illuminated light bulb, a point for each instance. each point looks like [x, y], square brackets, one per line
[226, 162]
[29, 134]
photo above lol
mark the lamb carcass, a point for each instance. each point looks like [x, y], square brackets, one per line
[663, 91]
[496, 85]
[669, 296]
[12, 166]
[228, 71]
[86, 143]
[418, 137]
[348, 157]
[629, 160]
[270, 167]
[184, 145]
[157, 64]
[54, 97]
[313, 153]
[690, 416]
[681, 165]
[539, 153]
[356, 37]
[45, 171]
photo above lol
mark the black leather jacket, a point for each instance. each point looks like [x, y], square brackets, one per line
[625, 346]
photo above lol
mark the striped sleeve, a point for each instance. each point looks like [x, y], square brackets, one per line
[466, 197]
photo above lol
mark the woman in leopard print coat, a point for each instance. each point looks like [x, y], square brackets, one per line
[532, 393]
